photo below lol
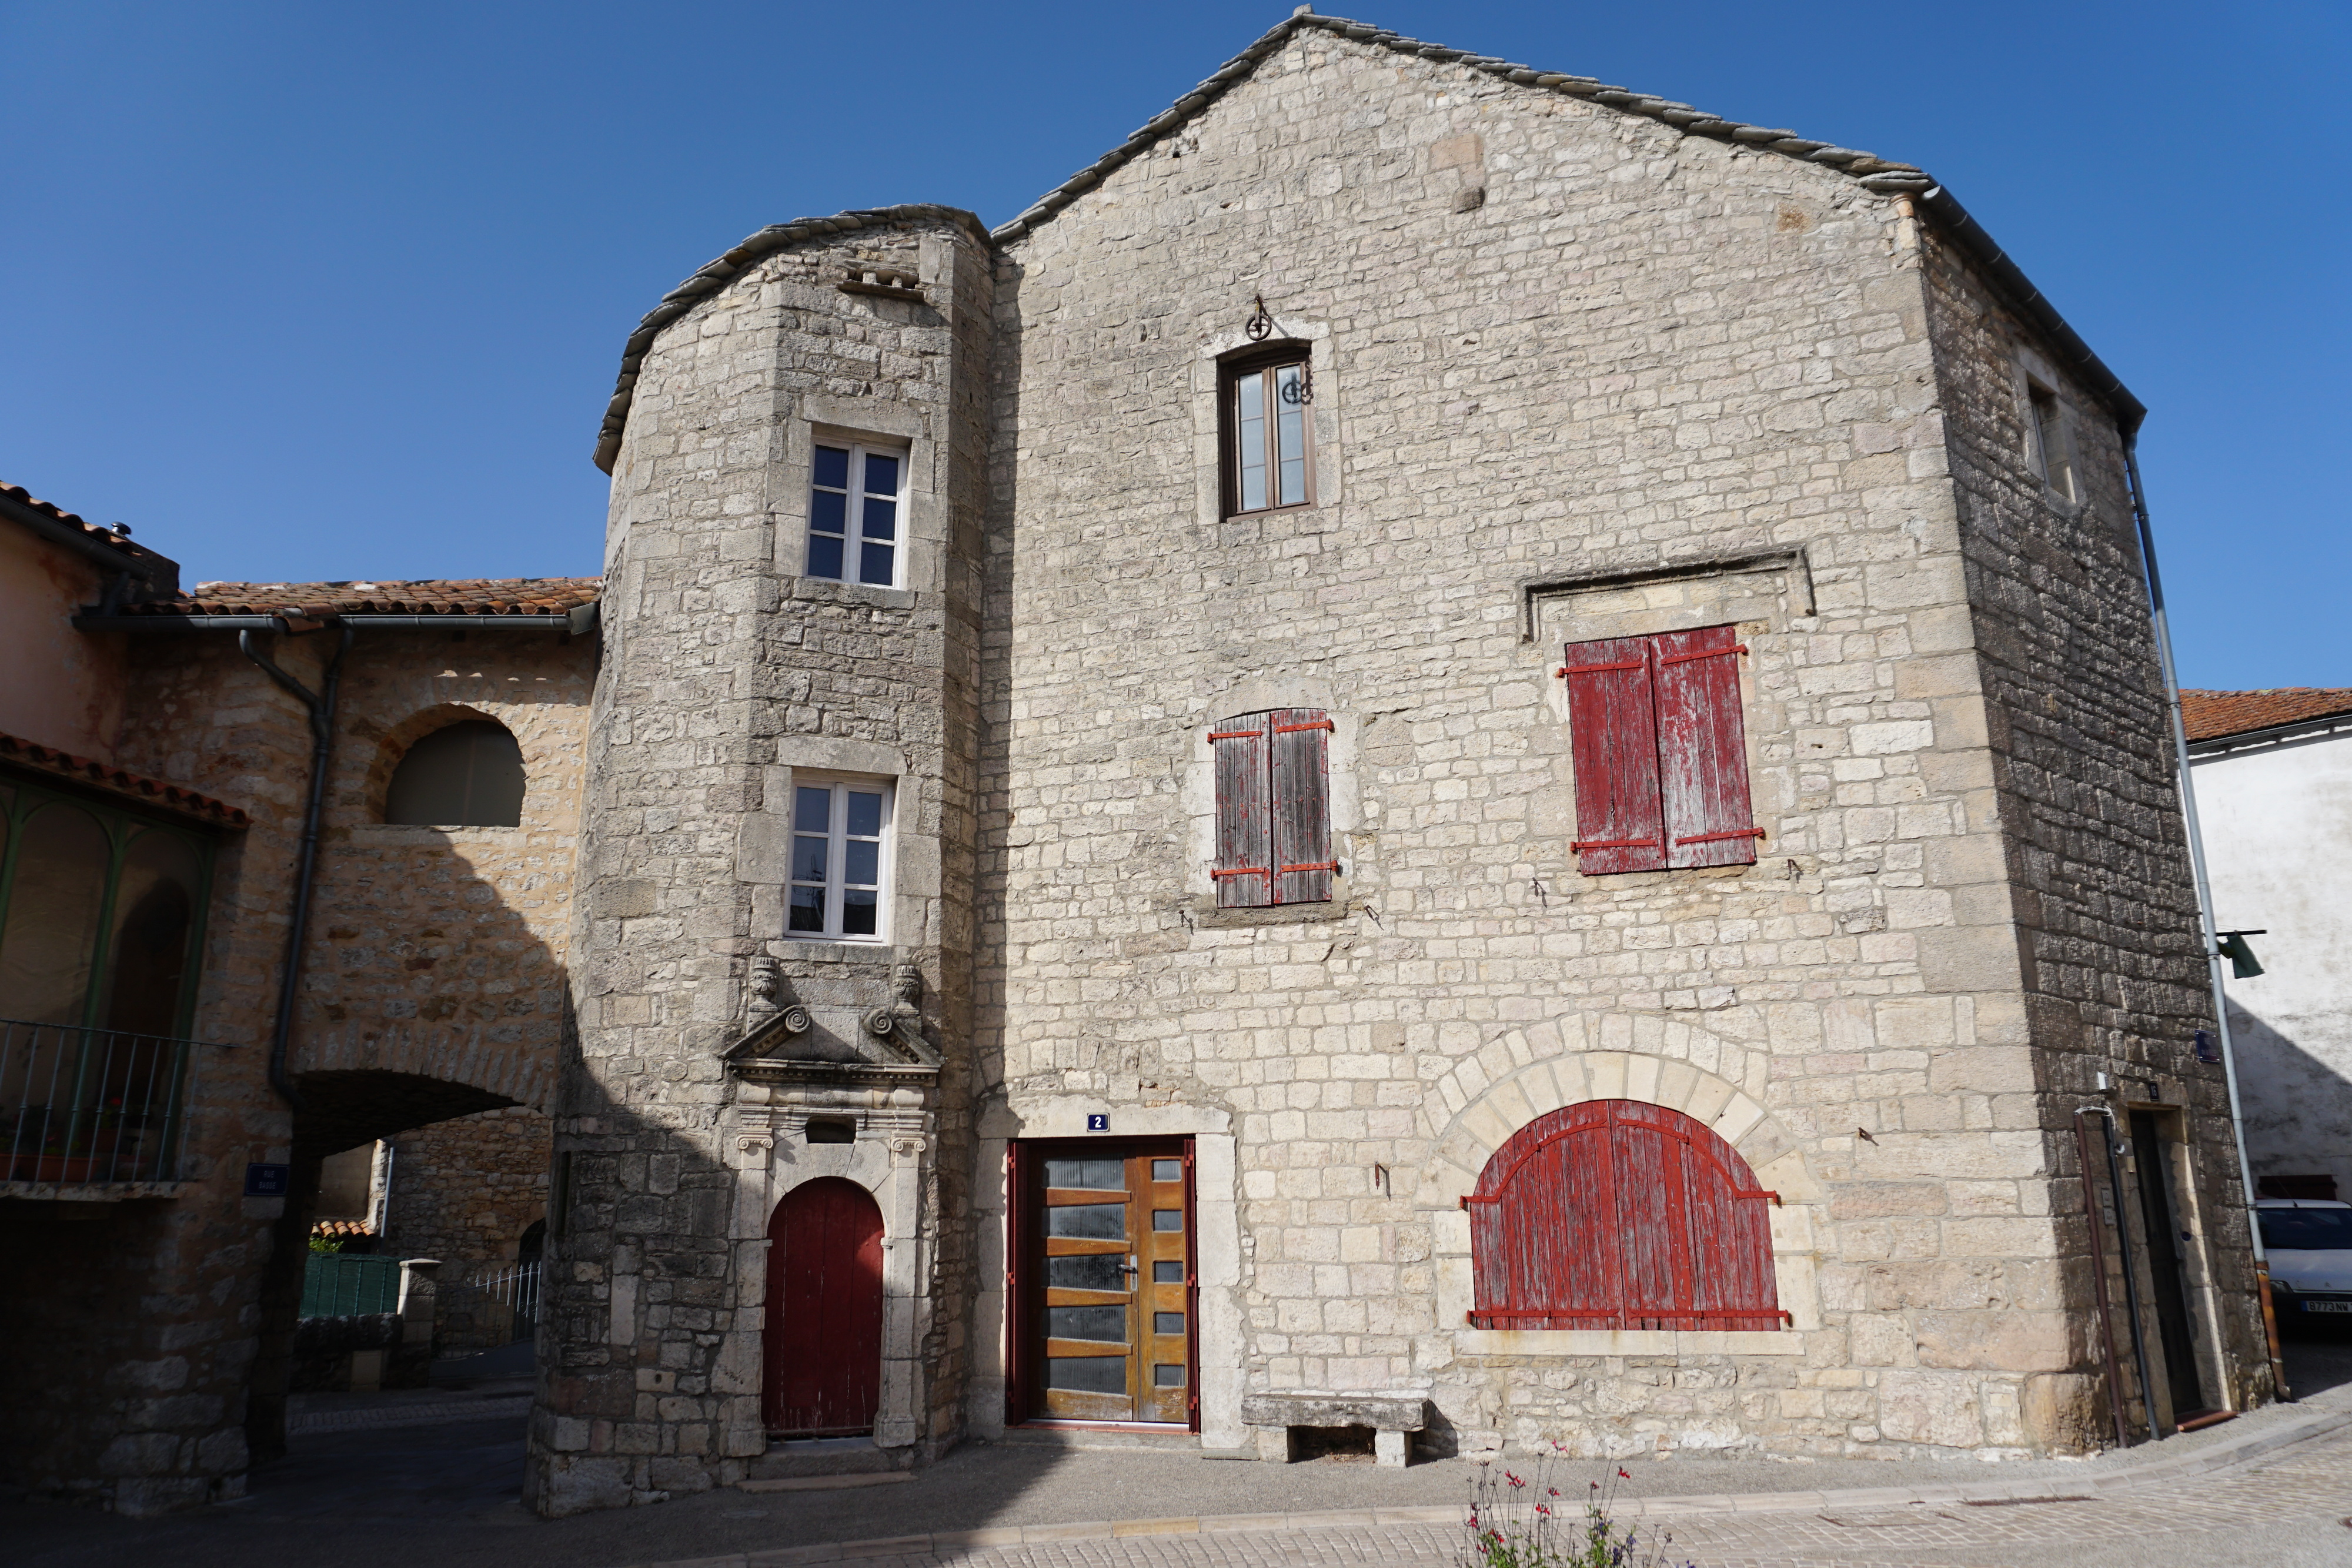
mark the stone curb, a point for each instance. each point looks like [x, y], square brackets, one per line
[379, 1415]
[2206, 1461]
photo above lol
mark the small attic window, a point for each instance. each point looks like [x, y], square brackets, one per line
[2050, 451]
[466, 775]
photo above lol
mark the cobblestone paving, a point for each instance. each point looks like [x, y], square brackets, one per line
[2311, 1487]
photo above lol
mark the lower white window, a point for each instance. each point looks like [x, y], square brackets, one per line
[841, 842]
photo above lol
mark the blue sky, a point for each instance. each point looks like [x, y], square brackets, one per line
[338, 291]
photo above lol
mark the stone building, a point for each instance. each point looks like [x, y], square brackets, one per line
[170, 1082]
[1448, 748]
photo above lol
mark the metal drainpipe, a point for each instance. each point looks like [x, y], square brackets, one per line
[2099, 1275]
[2205, 925]
[321, 706]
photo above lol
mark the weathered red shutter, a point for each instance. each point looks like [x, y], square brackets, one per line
[1703, 749]
[1618, 1214]
[1244, 871]
[1301, 790]
[1612, 737]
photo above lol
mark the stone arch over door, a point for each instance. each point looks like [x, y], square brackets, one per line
[888, 1156]
[1528, 1073]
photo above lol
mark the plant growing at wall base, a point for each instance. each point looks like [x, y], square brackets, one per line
[1521, 1518]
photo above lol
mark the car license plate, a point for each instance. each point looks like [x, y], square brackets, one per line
[2328, 1306]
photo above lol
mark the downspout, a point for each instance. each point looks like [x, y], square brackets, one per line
[2205, 922]
[321, 706]
[2099, 1274]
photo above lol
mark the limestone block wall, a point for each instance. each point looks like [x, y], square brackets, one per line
[729, 671]
[464, 1191]
[2114, 984]
[1646, 381]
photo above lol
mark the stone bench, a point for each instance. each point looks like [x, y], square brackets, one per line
[1393, 1418]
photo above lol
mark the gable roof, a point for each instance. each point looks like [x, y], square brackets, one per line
[1879, 176]
[2217, 716]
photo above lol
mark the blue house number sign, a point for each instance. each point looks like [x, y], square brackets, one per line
[1098, 1124]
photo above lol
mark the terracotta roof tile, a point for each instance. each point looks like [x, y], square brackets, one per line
[112, 780]
[463, 596]
[2211, 715]
[51, 509]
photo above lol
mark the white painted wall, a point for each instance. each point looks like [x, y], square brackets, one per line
[2278, 846]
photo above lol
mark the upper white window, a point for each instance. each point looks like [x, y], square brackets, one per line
[2050, 449]
[1265, 432]
[841, 835]
[857, 494]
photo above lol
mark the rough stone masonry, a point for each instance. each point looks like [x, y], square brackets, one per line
[1586, 364]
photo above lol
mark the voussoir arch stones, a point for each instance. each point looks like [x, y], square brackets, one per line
[1531, 1072]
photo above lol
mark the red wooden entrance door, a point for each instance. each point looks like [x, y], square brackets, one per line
[823, 1339]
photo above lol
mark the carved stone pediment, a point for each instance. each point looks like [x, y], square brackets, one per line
[785, 1039]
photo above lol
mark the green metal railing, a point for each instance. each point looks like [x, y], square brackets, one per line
[335, 1286]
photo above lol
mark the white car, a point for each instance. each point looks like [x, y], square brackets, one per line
[2309, 1241]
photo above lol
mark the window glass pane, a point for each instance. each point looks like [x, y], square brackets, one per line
[1166, 1376]
[154, 908]
[1167, 1219]
[833, 466]
[1098, 1175]
[466, 775]
[881, 519]
[46, 949]
[1107, 1324]
[864, 813]
[1167, 1323]
[881, 475]
[861, 863]
[1088, 1221]
[1290, 437]
[1249, 438]
[1167, 1170]
[1087, 1374]
[1089, 1272]
[828, 513]
[859, 912]
[824, 557]
[807, 909]
[808, 859]
[875, 564]
[812, 811]
[1167, 1271]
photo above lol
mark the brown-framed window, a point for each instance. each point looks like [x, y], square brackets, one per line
[1266, 437]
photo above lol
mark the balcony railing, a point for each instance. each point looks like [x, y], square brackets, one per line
[88, 1107]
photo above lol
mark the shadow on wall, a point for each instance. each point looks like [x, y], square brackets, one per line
[2297, 1105]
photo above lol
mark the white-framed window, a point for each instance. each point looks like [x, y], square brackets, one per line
[841, 859]
[856, 514]
[2053, 453]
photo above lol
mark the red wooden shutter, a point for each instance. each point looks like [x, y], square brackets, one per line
[1618, 1214]
[1244, 869]
[1612, 736]
[1703, 749]
[1301, 791]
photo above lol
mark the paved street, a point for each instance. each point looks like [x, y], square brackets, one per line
[361, 1490]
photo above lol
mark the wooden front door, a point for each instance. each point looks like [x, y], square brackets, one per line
[823, 1341]
[1109, 1282]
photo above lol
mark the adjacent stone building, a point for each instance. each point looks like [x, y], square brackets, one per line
[1446, 749]
[167, 1092]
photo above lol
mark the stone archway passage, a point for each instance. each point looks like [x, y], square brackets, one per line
[824, 1340]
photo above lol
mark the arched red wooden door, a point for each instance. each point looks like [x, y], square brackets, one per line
[823, 1341]
[1622, 1214]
